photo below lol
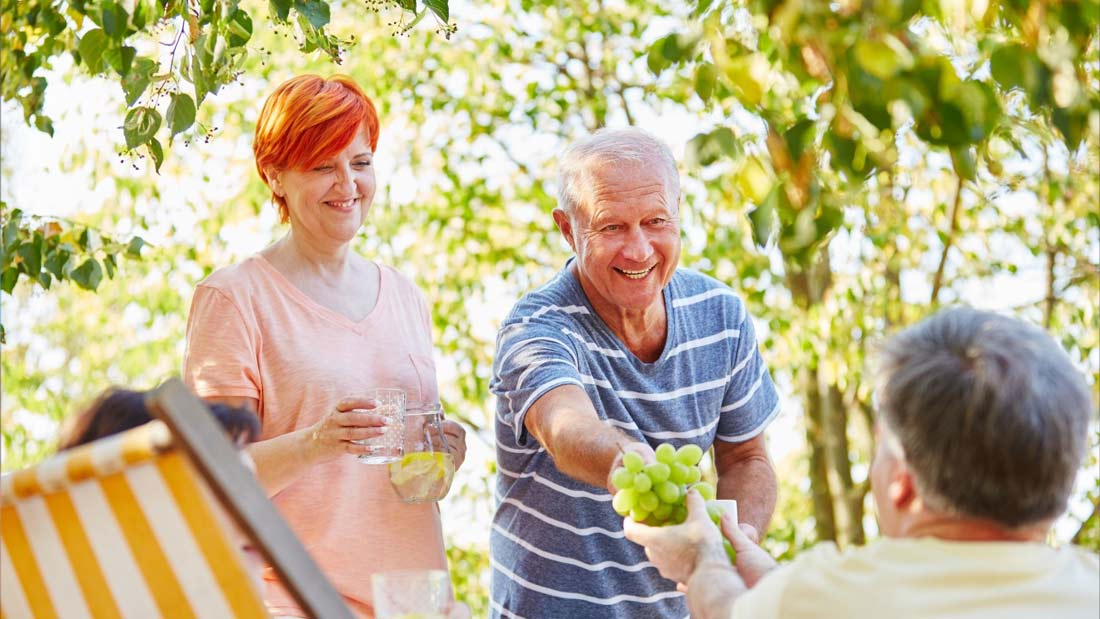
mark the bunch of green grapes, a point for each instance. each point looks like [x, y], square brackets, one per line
[656, 494]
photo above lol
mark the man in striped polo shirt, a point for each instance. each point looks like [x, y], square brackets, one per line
[619, 352]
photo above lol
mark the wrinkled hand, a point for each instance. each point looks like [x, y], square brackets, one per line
[353, 419]
[642, 449]
[677, 550]
[455, 435]
[752, 560]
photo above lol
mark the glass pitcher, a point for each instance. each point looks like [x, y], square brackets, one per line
[427, 467]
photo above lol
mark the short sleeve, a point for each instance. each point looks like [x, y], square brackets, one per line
[751, 400]
[531, 359]
[222, 357]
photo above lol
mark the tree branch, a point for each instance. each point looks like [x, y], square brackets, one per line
[937, 281]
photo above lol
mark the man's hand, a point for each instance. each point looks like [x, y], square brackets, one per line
[752, 560]
[677, 550]
[642, 449]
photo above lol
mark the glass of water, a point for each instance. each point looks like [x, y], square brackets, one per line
[390, 403]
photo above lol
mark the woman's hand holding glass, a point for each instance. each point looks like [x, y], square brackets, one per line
[455, 435]
[353, 419]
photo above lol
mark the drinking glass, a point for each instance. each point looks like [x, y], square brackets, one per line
[426, 468]
[412, 594]
[390, 403]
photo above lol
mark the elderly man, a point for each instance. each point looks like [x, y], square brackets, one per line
[620, 352]
[983, 423]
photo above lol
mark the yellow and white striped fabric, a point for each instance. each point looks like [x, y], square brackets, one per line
[123, 527]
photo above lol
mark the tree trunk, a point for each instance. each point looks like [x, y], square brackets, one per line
[820, 490]
[847, 495]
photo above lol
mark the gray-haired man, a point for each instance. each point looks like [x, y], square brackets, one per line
[982, 427]
[621, 351]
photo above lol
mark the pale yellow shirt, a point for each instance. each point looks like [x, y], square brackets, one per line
[930, 578]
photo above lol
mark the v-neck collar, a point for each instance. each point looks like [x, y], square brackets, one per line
[333, 316]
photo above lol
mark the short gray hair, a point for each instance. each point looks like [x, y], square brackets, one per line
[990, 412]
[611, 146]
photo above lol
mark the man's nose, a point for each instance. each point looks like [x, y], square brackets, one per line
[638, 247]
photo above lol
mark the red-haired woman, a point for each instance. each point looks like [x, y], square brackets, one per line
[301, 330]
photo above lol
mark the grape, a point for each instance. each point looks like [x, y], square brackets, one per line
[679, 514]
[663, 511]
[715, 513]
[633, 461]
[624, 501]
[678, 473]
[658, 472]
[656, 494]
[622, 478]
[668, 492]
[689, 455]
[705, 489]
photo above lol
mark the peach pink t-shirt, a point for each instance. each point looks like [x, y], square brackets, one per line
[252, 333]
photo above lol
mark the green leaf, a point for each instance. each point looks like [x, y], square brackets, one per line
[706, 148]
[8, 279]
[705, 77]
[55, 262]
[407, 5]
[88, 275]
[316, 11]
[31, 253]
[43, 124]
[140, 126]
[281, 8]
[114, 19]
[884, 57]
[762, 218]
[90, 240]
[11, 232]
[440, 8]
[799, 137]
[962, 158]
[137, 80]
[181, 113]
[111, 265]
[156, 151]
[133, 249]
[239, 28]
[656, 59]
[1073, 123]
[91, 48]
[120, 59]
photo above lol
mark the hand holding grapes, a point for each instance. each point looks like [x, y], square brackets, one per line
[676, 550]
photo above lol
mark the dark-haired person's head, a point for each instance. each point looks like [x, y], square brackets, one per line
[117, 410]
[982, 417]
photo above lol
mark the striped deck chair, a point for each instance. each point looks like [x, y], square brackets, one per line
[135, 525]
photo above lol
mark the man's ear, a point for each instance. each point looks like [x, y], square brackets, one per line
[902, 489]
[565, 226]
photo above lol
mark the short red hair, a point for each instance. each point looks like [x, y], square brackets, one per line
[307, 120]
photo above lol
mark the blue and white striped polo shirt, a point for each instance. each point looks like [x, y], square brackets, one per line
[556, 546]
